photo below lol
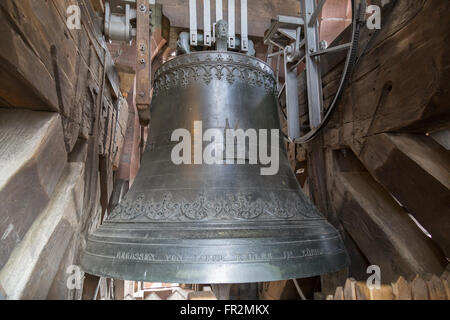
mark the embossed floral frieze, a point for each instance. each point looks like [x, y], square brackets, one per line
[206, 207]
[230, 67]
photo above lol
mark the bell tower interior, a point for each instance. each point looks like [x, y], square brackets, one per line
[224, 150]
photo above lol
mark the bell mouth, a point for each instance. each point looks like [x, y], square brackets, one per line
[215, 252]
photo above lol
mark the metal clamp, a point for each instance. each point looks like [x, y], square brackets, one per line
[297, 40]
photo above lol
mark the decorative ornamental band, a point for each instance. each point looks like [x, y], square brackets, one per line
[214, 207]
[230, 67]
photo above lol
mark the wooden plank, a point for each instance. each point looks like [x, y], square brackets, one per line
[362, 291]
[383, 293]
[416, 170]
[350, 289]
[419, 289]
[24, 82]
[402, 289]
[339, 294]
[436, 289]
[53, 32]
[385, 93]
[445, 278]
[202, 295]
[98, 6]
[38, 255]
[274, 290]
[383, 230]
[32, 159]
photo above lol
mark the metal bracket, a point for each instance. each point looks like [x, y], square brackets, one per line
[285, 34]
[234, 42]
[313, 75]
[297, 40]
[118, 17]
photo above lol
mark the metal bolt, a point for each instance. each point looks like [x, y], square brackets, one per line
[142, 61]
[142, 94]
[142, 47]
[143, 8]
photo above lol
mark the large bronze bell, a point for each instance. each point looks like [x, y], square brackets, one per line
[219, 223]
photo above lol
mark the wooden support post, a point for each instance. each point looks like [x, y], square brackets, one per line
[143, 80]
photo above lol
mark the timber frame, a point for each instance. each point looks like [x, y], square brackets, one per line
[376, 164]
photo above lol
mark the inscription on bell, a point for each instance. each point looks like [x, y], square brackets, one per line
[214, 258]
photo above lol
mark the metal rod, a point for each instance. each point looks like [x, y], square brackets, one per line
[276, 45]
[297, 63]
[316, 13]
[281, 90]
[278, 53]
[299, 290]
[96, 289]
[269, 52]
[278, 71]
[341, 47]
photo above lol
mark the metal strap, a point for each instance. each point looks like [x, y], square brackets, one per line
[244, 26]
[193, 21]
[231, 24]
[219, 10]
[207, 22]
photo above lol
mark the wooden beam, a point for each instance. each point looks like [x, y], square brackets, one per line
[98, 5]
[416, 170]
[382, 229]
[398, 83]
